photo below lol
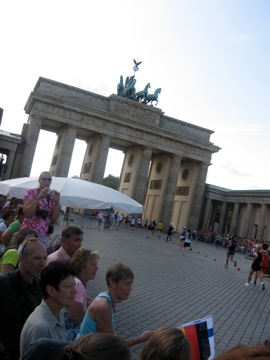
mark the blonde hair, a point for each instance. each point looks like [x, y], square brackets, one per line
[246, 352]
[166, 343]
[80, 258]
[96, 346]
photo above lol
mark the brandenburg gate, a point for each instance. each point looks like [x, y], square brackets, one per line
[166, 159]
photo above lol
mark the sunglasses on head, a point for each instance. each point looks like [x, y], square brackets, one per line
[26, 242]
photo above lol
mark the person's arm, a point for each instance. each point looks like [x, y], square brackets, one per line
[140, 339]
[76, 312]
[101, 313]
[30, 205]
[6, 237]
[6, 268]
[56, 210]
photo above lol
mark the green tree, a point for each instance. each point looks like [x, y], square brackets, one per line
[111, 181]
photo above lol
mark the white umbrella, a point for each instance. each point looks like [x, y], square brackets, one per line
[75, 193]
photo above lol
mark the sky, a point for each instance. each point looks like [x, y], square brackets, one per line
[210, 57]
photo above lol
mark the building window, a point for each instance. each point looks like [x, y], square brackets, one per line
[155, 184]
[87, 168]
[127, 177]
[182, 190]
[185, 174]
[159, 167]
[130, 160]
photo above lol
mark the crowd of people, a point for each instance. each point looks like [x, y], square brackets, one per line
[48, 313]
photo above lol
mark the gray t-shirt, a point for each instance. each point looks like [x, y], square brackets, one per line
[42, 324]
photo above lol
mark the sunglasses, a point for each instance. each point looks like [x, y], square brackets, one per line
[46, 179]
[26, 242]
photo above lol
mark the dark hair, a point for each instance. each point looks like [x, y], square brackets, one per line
[118, 272]
[53, 274]
[96, 346]
[7, 213]
[71, 230]
[166, 343]
[20, 211]
[15, 201]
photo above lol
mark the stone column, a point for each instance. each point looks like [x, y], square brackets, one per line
[261, 223]
[31, 140]
[141, 181]
[65, 153]
[207, 212]
[222, 216]
[167, 206]
[234, 218]
[195, 213]
[247, 220]
[10, 163]
[100, 165]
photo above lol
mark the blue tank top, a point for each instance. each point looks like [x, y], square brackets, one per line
[89, 325]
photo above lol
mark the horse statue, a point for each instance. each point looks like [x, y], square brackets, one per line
[152, 97]
[128, 90]
[120, 86]
[140, 95]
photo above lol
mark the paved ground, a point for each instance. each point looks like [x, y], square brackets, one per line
[170, 289]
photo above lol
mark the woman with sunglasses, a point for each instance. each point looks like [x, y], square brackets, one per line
[10, 258]
[41, 208]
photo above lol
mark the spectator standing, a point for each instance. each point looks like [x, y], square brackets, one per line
[265, 259]
[149, 229]
[20, 293]
[41, 208]
[154, 226]
[132, 223]
[218, 240]
[146, 223]
[169, 233]
[99, 218]
[71, 240]
[188, 238]
[160, 228]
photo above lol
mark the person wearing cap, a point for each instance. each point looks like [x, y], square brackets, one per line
[41, 208]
